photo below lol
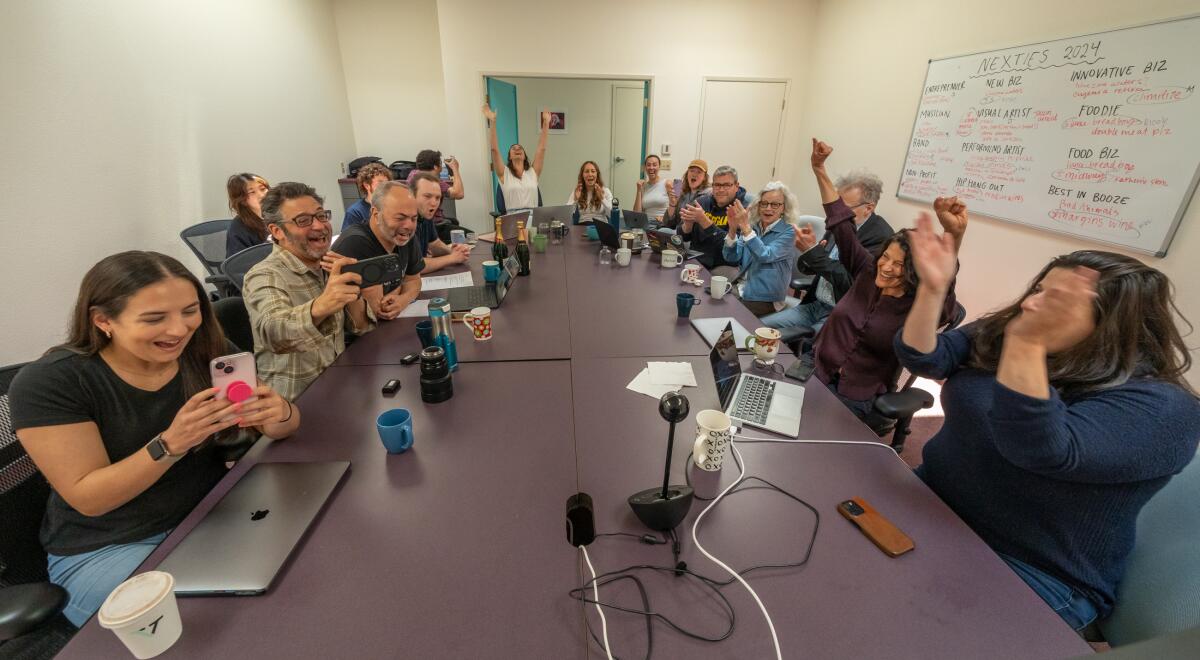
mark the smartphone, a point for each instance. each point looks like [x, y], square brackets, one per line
[886, 536]
[678, 186]
[235, 375]
[377, 270]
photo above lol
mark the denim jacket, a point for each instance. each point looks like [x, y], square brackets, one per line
[764, 261]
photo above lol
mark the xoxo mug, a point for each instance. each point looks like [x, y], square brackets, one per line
[479, 320]
[714, 432]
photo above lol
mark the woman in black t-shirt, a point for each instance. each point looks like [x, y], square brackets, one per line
[119, 417]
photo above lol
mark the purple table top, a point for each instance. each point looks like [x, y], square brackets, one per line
[530, 325]
[630, 312]
[952, 597]
[448, 550]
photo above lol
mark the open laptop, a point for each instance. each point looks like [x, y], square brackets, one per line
[660, 239]
[548, 214]
[608, 235]
[508, 225]
[710, 329]
[753, 400]
[239, 547]
[466, 298]
[634, 220]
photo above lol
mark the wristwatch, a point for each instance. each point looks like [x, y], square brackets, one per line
[158, 449]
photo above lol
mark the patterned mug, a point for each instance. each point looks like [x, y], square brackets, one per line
[479, 320]
[714, 432]
[765, 344]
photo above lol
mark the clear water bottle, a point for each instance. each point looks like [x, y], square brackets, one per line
[605, 259]
[443, 329]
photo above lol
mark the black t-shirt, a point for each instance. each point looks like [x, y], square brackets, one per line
[359, 241]
[67, 388]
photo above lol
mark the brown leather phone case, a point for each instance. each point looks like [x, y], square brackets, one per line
[880, 530]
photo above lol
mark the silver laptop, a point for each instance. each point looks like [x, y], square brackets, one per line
[548, 214]
[753, 400]
[710, 330]
[239, 547]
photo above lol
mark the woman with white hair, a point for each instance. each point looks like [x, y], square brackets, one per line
[762, 242]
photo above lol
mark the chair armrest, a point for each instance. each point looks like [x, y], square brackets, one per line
[217, 279]
[24, 607]
[802, 282]
[905, 403]
[795, 333]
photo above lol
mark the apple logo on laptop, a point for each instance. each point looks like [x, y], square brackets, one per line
[260, 514]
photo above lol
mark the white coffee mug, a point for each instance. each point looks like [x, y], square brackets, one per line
[624, 255]
[690, 272]
[765, 344]
[670, 258]
[714, 432]
[143, 614]
[719, 287]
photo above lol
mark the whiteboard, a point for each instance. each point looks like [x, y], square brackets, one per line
[1095, 136]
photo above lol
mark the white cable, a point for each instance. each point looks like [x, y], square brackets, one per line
[596, 589]
[718, 562]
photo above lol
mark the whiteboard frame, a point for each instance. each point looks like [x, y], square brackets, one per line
[1187, 197]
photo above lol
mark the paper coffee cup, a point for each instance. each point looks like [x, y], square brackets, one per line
[143, 613]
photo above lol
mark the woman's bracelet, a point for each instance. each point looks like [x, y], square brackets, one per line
[290, 411]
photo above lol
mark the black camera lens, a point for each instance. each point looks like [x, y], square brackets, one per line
[228, 370]
[220, 365]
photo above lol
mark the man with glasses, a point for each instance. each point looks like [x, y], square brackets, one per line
[300, 302]
[391, 229]
[705, 221]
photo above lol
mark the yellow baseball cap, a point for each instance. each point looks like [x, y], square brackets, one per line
[699, 163]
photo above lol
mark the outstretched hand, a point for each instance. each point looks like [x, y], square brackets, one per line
[488, 113]
[738, 217]
[952, 214]
[545, 118]
[820, 152]
[805, 238]
[935, 257]
[1057, 309]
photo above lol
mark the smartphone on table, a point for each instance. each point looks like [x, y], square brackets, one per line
[886, 536]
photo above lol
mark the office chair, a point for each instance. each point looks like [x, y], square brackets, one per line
[501, 209]
[207, 242]
[1160, 593]
[31, 620]
[236, 266]
[902, 400]
[235, 321]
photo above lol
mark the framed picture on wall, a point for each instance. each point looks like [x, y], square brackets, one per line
[558, 120]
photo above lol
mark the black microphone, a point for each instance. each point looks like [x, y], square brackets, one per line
[674, 408]
[662, 509]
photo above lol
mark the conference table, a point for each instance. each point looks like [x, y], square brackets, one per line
[457, 548]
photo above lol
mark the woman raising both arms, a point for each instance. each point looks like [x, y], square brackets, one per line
[1065, 412]
[518, 176]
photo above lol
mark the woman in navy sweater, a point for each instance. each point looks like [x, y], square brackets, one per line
[1065, 412]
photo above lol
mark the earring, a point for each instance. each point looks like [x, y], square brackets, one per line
[108, 333]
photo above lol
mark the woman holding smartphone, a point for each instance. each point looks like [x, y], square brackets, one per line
[685, 191]
[652, 191]
[120, 417]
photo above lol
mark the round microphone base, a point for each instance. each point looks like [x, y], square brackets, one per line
[659, 513]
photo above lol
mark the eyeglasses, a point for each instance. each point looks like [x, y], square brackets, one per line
[305, 219]
[770, 205]
[859, 204]
[723, 185]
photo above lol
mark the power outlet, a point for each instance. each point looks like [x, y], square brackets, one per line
[665, 164]
[342, 167]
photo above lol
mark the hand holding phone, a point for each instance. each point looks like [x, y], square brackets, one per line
[376, 270]
[235, 377]
[886, 536]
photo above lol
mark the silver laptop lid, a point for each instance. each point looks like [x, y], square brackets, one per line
[244, 540]
[726, 367]
[710, 329]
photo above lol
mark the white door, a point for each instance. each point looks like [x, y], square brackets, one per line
[625, 168]
[741, 126]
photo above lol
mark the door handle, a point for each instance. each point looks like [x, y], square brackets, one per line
[618, 159]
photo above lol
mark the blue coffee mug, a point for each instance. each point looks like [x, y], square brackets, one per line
[592, 234]
[395, 430]
[491, 271]
[684, 302]
[425, 333]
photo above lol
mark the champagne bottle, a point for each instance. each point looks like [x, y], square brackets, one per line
[522, 248]
[499, 248]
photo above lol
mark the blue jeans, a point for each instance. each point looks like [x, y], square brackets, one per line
[1066, 601]
[811, 314]
[89, 577]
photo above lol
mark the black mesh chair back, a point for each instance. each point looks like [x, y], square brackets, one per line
[236, 266]
[23, 496]
[207, 242]
[235, 321]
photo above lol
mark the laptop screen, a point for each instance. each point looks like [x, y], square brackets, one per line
[725, 365]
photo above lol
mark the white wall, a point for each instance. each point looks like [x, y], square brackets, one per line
[589, 129]
[676, 44]
[392, 59]
[869, 64]
[121, 121]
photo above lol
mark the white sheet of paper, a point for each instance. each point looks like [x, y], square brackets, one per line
[672, 373]
[447, 281]
[642, 385]
[415, 308]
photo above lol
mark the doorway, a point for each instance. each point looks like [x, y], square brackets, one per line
[602, 119]
[741, 124]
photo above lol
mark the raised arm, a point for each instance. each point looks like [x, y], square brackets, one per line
[936, 260]
[637, 201]
[539, 156]
[456, 190]
[820, 152]
[493, 143]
